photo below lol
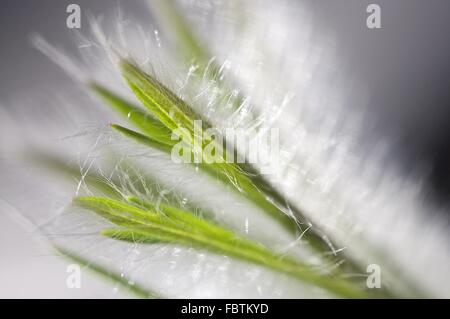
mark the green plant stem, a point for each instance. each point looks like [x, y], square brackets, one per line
[115, 278]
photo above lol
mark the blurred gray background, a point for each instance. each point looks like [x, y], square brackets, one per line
[406, 65]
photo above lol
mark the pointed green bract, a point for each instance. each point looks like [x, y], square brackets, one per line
[117, 279]
[162, 223]
[141, 138]
[150, 126]
[135, 235]
[183, 37]
[159, 100]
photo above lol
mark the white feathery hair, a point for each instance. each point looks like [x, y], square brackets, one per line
[289, 72]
